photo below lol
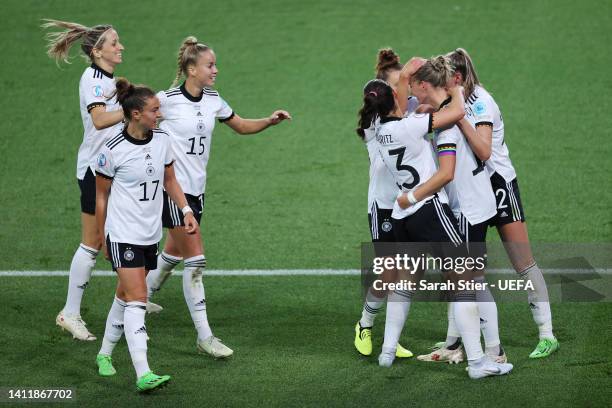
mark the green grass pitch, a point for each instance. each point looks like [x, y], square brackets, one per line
[295, 196]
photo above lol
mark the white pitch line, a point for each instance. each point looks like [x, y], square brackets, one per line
[294, 272]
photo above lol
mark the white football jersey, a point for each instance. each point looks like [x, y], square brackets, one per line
[470, 193]
[135, 203]
[190, 122]
[96, 88]
[382, 189]
[408, 154]
[480, 107]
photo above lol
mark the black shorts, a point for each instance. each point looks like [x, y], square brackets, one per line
[88, 192]
[475, 237]
[508, 199]
[132, 256]
[381, 224]
[435, 223]
[172, 216]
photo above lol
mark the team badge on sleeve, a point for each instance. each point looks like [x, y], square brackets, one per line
[102, 160]
[480, 108]
[97, 91]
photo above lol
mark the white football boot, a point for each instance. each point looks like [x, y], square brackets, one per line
[75, 325]
[444, 355]
[489, 368]
[153, 307]
[214, 347]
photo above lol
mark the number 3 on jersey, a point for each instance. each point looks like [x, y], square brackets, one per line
[200, 149]
[398, 165]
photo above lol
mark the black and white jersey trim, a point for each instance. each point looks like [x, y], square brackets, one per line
[471, 99]
[106, 176]
[112, 143]
[173, 92]
[484, 124]
[99, 72]
[226, 119]
[94, 105]
[516, 209]
[210, 92]
[447, 223]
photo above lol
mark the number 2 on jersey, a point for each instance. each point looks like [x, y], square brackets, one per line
[193, 146]
[144, 190]
[398, 165]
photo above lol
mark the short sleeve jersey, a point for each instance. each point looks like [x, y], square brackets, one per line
[408, 154]
[470, 193]
[135, 203]
[190, 122]
[96, 88]
[481, 109]
[382, 189]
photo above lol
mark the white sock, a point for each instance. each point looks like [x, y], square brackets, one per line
[193, 290]
[452, 333]
[114, 327]
[465, 310]
[136, 335]
[487, 310]
[83, 262]
[371, 307]
[538, 301]
[157, 277]
[398, 306]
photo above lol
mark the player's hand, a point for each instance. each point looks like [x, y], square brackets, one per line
[415, 64]
[191, 225]
[402, 200]
[278, 116]
[456, 91]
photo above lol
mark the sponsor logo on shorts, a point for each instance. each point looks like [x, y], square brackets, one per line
[128, 255]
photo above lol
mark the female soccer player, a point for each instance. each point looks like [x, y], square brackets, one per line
[483, 112]
[132, 168]
[102, 117]
[427, 218]
[382, 192]
[188, 115]
[472, 201]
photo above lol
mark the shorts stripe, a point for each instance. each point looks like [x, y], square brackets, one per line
[446, 223]
[116, 256]
[173, 212]
[516, 213]
[374, 221]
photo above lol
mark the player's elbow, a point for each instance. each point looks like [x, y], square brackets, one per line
[447, 177]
